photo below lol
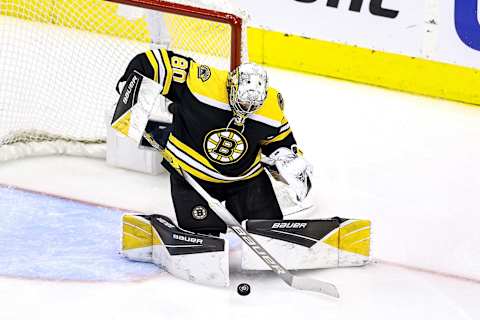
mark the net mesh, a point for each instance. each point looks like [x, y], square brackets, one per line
[60, 61]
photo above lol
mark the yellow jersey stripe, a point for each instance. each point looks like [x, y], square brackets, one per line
[271, 110]
[154, 64]
[257, 161]
[178, 159]
[279, 137]
[214, 88]
[196, 173]
[192, 153]
[169, 72]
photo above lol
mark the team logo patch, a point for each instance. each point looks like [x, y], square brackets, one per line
[281, 103]
[204, 73]
[199, 213]
[225, 146]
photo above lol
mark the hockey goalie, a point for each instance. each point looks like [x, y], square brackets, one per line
[228, 131]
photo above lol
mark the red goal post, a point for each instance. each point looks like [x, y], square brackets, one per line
[236, 22]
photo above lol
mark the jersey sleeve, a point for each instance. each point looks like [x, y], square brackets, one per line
[282, 135]
[283, 138]
[167, 68]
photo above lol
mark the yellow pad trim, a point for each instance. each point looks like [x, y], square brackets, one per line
[122, 124]
[137, 232]
[353, 236]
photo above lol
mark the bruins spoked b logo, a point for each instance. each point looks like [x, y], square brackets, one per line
[199, 212]
[204, 73]
[225, 146]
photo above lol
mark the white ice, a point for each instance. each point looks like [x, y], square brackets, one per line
[408, 163]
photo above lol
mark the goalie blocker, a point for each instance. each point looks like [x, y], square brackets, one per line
[141, 110]
[296, 244]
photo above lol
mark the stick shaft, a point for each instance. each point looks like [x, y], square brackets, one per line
[296, 282]
[235, 226]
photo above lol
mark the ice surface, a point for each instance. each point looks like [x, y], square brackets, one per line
[52, 238]
[408, 163]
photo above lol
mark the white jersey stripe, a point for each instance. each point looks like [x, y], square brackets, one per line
[197, 165]
[161, 67]
[212, 102]
[226, 106]
[285, 127]
[270, 122]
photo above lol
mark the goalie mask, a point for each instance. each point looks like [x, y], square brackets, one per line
[247, 89]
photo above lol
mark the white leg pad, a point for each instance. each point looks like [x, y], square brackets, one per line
[186, 255]
[310, 244]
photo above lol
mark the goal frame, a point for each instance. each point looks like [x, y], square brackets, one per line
[195, 12]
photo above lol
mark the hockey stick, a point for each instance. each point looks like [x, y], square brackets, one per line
[293, 281]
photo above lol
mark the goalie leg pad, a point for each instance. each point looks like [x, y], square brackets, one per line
[190, 256]
[186, 255]
[310, 244]
[137, 237]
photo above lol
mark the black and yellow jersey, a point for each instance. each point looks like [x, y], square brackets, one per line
[204, 140]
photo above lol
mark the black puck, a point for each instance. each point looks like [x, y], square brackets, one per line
[243, 289]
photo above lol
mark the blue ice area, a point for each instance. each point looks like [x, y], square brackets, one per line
[45, 237]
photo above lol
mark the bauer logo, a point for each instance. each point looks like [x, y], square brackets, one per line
[289, 225]
[466, 22]
[187, 239]
[130, 87]
[376, 7]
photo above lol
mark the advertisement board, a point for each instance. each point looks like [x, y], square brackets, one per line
[439, 30]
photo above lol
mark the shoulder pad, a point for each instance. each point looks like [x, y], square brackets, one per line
[272, 110]
[208, 84]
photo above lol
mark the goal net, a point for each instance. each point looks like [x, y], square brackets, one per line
[60, 61]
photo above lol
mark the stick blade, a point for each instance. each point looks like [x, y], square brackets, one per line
[302, 283]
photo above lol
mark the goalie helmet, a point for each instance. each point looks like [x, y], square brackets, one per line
[247, 89]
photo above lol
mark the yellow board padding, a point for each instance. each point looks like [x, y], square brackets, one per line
[393, 71]
[352, 236]
[102, 17]
[88, 15]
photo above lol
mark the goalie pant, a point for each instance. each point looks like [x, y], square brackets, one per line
[248, 199]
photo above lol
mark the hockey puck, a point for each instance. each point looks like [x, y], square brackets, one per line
[243, 289]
